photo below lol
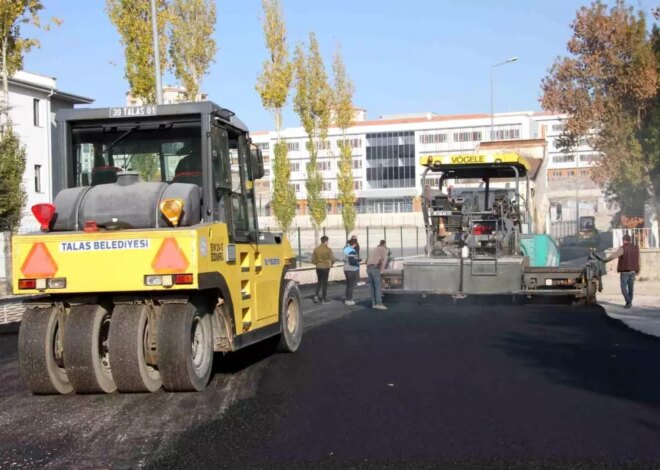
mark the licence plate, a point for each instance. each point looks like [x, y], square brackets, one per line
[441, 213]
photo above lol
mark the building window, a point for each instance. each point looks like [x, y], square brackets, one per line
[322, 145]
[506, 134]
[263, 146]
[589, 157]
[432, 138]
[558, 127]
[467, 136]
[563, 158]
[357, 185]
[296, 187]
[35, 111]
[327, 186]
[357, 164]
[324, 165]
[295, 166]
[354, 143]
[37, 178]
[293, 146]
[390, 160]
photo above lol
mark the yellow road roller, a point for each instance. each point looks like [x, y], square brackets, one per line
[150, 258]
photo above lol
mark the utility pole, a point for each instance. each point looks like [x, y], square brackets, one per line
[508, 61]
[577, 194]
[154, 27]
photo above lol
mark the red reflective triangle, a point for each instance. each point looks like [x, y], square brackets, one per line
[39, 263]
[170, 258]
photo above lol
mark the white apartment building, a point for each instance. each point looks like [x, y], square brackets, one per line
[33, 101]
[386, 153]
[172, 94]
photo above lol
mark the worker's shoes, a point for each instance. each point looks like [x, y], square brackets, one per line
[315, 299]
[349, 302]
[628, 305]
[380, 307]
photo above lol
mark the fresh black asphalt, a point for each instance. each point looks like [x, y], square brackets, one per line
[421, 385]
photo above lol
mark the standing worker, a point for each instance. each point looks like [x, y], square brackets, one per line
[351, 270]
[357, 249]
[376, 262]
[323, 259]
[627, 267]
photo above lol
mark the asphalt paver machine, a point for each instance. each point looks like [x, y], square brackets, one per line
[485, 246]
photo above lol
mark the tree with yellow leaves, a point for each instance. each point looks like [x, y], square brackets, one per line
[132, 18]
[312, 103]
[343, 116]
[273, 85]
[192, 47]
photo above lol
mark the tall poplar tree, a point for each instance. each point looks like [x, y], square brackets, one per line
[192, 47]
[343, 113]
[312, 103]
[273, 85]
[605, 86]
[132, 18]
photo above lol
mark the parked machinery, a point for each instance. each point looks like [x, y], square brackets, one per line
[150, 258]
[485, 244]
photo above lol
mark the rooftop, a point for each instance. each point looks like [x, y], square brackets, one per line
[45, 84]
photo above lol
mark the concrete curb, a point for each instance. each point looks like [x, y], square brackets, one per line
[643, 316]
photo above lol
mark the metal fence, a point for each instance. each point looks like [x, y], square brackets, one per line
[643, 237]
[402, 241]
[564, 229]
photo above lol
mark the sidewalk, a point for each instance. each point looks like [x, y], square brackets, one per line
[644, 315]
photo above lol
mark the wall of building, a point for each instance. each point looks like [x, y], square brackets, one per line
[386, 155]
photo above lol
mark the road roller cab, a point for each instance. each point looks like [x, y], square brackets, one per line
[150, 257]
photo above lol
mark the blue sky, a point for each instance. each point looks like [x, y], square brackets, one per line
[403, 56]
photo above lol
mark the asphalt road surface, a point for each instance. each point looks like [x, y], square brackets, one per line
[417, 386]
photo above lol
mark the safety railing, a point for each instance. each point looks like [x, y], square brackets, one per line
[402, 241]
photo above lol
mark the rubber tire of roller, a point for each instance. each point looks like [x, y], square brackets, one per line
[127, 356]
[82, 358]
[36, 358]
[290, 338]
[175, 348]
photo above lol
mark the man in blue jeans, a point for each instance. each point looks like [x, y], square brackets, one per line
[375, 264]
[628, 267]
[351, 270]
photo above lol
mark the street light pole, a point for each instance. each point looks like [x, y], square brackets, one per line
[492, 118]
[154, 27]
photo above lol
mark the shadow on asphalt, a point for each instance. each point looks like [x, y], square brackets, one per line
[232, 363]
[604, 357]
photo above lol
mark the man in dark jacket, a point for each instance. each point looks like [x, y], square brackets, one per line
[627, 267]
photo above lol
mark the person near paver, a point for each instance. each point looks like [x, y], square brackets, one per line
[351, 270]
[357, 248]
[323, 259]
[376, 262]
[627, 267]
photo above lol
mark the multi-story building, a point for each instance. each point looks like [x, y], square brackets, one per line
[33, 102]
[171, 95]
[386, 154]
